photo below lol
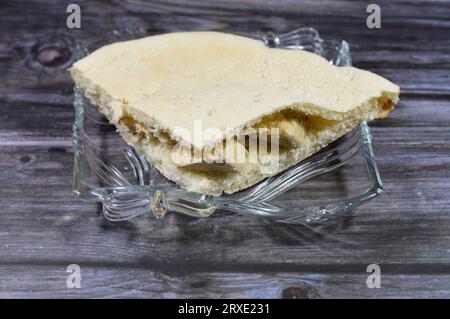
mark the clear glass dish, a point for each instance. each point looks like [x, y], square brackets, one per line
[107, 170]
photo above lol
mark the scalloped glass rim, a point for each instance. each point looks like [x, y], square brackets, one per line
[128, 186]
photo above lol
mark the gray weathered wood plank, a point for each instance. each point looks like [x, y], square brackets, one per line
[407, 225]
[43, 228]
[27, 118]
[110, 282]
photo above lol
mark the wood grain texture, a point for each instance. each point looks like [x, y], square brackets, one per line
[132, 282]
[43, 228]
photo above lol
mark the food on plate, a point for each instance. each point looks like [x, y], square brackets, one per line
[216, 112]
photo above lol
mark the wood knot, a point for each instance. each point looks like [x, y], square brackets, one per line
[300, 292]
[53, 56]
[52, 52]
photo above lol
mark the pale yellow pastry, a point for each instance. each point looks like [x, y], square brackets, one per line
[161, 91]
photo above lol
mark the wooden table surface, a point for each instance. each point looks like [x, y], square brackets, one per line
[43, 228]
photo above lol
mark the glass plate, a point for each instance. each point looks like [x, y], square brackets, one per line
[107, 170]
